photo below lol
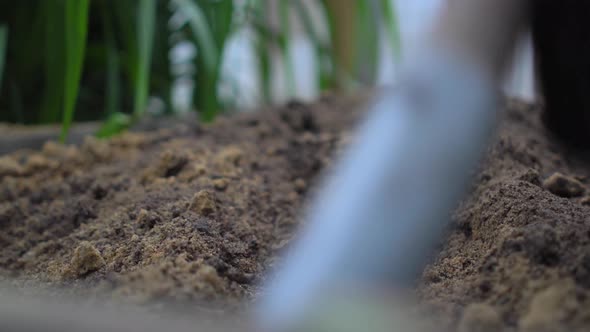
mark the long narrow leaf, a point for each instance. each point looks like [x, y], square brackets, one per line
[288, 60]
[124, 11]
[161, 74]
[367, 43]
[325, 72]
[222, 13]
[145, 33]
[343, 25]
[262, 52]
[54, 64]
[76, 26]
[3, 40]
[113, 70]
[391, 27]
[219, 15]
[210, 23]
[203, 34]
[257, 15]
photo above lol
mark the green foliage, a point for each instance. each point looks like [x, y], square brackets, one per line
[112, 63]
[284, 44]
[391, 27]
[322, 50]
[263, 51]
[145, 33]
[367, 36]
[76, 26]
[3, 38]
[114, 124]
[210, 24]
[76, 60]
[54, 65]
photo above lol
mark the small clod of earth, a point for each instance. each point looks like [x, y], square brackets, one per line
[86, 259]
[564, 186]
[203, 202]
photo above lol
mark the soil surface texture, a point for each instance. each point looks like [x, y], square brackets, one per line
[194, 216]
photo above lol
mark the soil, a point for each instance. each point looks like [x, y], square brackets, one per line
[518, 251]
[186, 215]
[195, 215]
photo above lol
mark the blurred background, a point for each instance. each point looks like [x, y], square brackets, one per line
[114, 61]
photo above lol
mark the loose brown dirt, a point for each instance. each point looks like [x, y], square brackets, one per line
[186, 215]
[518, 253]
[194, 216]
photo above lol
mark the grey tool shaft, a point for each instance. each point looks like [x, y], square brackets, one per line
[391, 195]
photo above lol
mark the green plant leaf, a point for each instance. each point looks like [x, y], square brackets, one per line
[3, 40]
[76, 26]
[54, 65]
[391, 27]
[114, 124]
[264, 68]
[126, 11]
[366, 43]
[288, 60]
[344, 19]
[326, 73]
[201, 30]
[145, 39]
[222, 13]
[208, 57]
[274, 38]
[113, 70]
[210, 23]
[161, 74]
[257, 11]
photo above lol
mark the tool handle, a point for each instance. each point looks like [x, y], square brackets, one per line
[389, 197]
[485, 31]
[384, 207]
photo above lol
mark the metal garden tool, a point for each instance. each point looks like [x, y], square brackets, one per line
[383, 208]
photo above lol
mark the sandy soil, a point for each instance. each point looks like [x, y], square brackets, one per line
[195, 215]
[518, 253]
